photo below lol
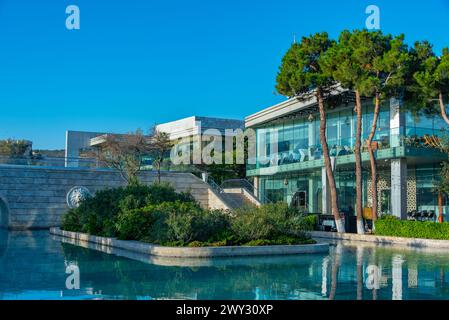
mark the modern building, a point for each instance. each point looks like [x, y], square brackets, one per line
[81, 142]
[200, 126]
[291, 167]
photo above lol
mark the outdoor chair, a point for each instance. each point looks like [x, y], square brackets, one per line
[425, 215]
[432, 215]
[418, 216]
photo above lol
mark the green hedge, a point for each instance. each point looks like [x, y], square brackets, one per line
[390, 226]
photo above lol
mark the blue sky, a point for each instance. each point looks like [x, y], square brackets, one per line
[136, 63]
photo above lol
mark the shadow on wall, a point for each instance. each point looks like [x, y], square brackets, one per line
[4, 214]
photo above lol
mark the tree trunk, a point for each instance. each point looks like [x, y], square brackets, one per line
[358, 165]
[440, 207]
[443, 108]
[372, 158]
[327, 163]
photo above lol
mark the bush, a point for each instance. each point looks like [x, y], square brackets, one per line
[99, 214]
[184, 223]
[157, 214]
[309, 222]
[71, 221]
[134, 224]
[164, 192]
[268, 221]
[282, 240]
[391, 226]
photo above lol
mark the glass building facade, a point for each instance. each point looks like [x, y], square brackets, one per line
[289, 162]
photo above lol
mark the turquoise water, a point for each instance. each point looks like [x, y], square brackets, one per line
[33, 265]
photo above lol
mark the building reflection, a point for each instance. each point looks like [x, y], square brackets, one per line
[396, 276]
[349, 271]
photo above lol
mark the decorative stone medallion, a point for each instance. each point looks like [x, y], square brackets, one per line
[76, 195]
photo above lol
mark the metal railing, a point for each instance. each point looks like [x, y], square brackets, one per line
[217, 188]
[42, 161]
[238, 183]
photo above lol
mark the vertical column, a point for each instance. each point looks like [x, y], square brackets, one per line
[311, 139]
[256, 187]
[399, 188]
[326, 195]
[397, 122]
[398, 166]
[312, 205]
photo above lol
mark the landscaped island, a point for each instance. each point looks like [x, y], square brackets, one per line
[158, 215]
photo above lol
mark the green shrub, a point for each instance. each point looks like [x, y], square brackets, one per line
[164, 192]
[71, 221]
[282, 240]
[412, 229]
[166, 228]
[268, 221]
[134, 224]
[157, 214]
[195, 244]
[309, 222]
[99, 214]
[186, 222]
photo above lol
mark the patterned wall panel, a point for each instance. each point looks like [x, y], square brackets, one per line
[384, 183]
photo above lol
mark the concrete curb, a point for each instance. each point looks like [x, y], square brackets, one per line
[384, 240]
[196, 252]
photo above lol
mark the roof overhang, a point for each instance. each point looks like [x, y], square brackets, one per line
[285, 108]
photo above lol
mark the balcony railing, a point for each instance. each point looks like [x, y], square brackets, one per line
[342, 147]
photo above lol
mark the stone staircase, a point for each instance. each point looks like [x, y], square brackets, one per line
[236, 200]
[234, 197]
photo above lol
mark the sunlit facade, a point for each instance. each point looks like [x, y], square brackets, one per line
[289, 165]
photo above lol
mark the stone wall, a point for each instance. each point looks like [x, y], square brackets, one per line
[35, 198]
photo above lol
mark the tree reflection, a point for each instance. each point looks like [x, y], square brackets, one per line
[335, 268]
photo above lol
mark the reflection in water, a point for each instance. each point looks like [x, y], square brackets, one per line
[335, 267]
[412, 275]
[324, 276]
[359, 257]
[397, 262]
[33, 265]
[374, 274]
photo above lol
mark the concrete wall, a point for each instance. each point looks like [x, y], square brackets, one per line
[34, 197]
